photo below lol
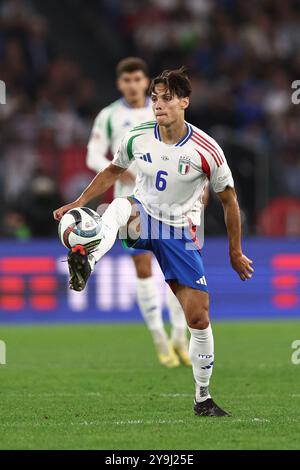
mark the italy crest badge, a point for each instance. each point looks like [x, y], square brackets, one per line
[184, 165]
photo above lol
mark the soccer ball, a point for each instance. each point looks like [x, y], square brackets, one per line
[80, 226]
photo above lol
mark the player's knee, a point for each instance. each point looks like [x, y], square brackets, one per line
[143, 273]
[199, 324]
[142, 266]
[199, 320]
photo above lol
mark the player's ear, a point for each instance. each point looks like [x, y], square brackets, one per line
[185, 102]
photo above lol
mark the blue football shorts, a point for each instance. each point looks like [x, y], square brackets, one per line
[175, 249]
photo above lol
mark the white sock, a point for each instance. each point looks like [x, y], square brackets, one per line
[202, 357]
[116, 216]
[177, 320]
[147, 297]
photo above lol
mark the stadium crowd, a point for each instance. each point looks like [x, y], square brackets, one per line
[243, 57]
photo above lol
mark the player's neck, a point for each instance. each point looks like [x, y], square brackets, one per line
[173, 133]
[138, 103]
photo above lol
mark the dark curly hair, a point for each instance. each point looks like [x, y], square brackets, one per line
[176, 81]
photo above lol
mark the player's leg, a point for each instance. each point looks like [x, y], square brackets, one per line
[195, 304]
[181, 262]
[178, 328]
[80, 262]
[148, 301]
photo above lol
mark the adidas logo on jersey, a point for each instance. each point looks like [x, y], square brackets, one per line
[146, 157]
[202, 281]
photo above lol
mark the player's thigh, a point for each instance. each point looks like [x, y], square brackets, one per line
[143, 265]
[195, 304]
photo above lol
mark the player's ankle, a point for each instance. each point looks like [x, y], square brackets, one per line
[202, 393]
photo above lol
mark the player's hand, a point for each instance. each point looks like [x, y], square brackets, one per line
[127, 177]
[242, 265]
[58, 213]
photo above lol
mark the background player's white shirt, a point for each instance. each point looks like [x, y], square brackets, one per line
[171, 178]
[108, 130]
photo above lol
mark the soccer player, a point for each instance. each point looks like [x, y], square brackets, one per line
[182, 158]
[108, 130]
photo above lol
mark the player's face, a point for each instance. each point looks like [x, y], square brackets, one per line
[167, 108]
[133, 85]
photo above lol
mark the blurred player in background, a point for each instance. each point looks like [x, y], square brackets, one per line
[108, 130]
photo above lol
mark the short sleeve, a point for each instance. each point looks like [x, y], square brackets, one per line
[221, 175]
[124, 155]
[215, 166]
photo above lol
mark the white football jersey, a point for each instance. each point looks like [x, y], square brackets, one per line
[171, 178]
[108, 130]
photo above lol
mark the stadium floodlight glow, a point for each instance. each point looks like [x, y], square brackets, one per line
[2, 92]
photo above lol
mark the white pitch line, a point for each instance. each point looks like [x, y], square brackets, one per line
[261, 420]
[49, 423]
[175, 395]
[50, 394]
[4, 395]
[132, 422]
[90, 394]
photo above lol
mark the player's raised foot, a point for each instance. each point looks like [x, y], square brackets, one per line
[167, 356]
[182, 352]
[208, 408]
[79, 267]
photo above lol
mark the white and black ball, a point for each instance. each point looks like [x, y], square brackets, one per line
[80, 226]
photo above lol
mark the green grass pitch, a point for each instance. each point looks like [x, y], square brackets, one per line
[101, 387]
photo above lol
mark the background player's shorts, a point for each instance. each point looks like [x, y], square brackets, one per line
[175, 249]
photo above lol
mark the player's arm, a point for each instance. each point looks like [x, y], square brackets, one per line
[222, 183]
[99, 144]
[101, 183]
[240, 263]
